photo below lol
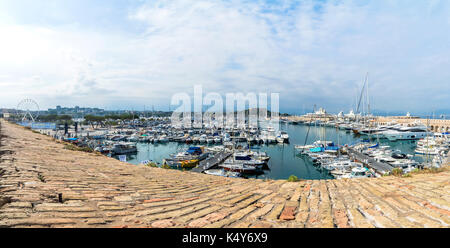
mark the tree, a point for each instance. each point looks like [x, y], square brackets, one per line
[94, 120]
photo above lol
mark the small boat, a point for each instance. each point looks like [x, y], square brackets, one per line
[339, 173]
[279, 139]
[247, 159]
[189, 163]
[196, 139]
[358, 172]
[398, 155]
[284, 136]
[102, 149]
[223, 173]
[133, 138]
[163, 139]
[124, 148]
[238, 167]
[262, 156]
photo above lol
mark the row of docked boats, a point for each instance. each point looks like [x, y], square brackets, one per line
[195, 136]
[434, 149]
[327, 156]
[390, 131]
[241, 163]
[246, 162]
[339, 164]
[434, 145]
[384, 154]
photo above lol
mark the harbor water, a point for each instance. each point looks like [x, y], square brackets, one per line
[284, 160]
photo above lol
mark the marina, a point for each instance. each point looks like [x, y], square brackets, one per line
[297, 148]
[182, 115]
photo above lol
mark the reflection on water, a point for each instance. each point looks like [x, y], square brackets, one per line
[283, 161]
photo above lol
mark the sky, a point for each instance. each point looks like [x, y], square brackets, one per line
[134, 54]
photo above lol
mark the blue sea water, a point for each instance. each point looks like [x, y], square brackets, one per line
[284, 160]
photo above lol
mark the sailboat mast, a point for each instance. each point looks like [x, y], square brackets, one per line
[368, 98]
[361, 96]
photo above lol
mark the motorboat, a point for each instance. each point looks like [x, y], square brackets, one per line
[339, 173]
[240, 167]
[124, 148]
[223, 173]
[247, 159]
[163, 139]
[407, 133]
[102, 149]
[133, 138]
[399, 163]
[342, 165]
[358, 172]
[284, 136]
[259, 155]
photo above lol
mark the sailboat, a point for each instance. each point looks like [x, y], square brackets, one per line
[363, 128]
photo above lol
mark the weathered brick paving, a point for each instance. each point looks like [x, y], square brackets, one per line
[96, 191]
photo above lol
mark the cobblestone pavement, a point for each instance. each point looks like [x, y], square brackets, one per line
[44, 185]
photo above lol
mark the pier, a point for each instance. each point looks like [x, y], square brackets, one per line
[379, 167]
[212, 162]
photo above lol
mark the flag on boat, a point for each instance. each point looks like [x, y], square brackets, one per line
[123, 158]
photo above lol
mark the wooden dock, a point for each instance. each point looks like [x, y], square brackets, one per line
[211, 162]
[379, 167]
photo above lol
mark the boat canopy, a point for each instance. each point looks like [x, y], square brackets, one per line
[316, 149]
[332, 148]
[242, 157]
[194, 149]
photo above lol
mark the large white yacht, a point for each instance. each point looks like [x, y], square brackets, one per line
[407, 133]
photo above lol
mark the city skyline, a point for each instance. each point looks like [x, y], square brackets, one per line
[130, 54]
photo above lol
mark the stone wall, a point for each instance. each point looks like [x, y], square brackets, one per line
[44, 185]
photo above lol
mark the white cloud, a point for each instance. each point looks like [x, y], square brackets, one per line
[312, 52]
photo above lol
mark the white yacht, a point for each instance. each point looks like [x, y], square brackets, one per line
[358, 172]
[407, 133]
[202, 138]
[222, 172]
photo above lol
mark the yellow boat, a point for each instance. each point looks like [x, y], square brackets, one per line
[189, 163]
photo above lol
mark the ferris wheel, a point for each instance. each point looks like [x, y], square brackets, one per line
[28, 110]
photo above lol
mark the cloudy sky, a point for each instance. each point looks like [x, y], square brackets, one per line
[130, 53]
